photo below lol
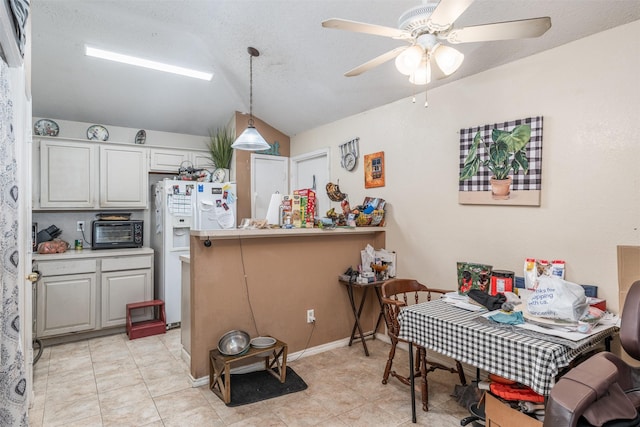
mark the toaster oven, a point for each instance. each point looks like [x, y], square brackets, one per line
[116, 234]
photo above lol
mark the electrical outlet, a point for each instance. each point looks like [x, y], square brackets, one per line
[80, 226]
[311, 316]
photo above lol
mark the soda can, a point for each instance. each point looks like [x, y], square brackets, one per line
[78, 245]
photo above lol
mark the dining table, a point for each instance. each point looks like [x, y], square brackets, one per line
[530, 357]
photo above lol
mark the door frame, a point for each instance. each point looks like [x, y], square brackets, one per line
[295, 160]
[322, 152]
[256, 156]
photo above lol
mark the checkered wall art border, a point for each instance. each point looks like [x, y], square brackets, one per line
[525, 189]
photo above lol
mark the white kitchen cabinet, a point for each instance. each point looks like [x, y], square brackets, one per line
[169, 161]
[201, 160]
[124, 178]
[124, 280]
[82, 291]
[73, 174]
[66, 297]
[67, 174]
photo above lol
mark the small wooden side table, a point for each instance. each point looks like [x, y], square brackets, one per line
[220, 366]
[357, 311]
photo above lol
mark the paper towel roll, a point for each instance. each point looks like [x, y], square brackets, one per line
[273, 213]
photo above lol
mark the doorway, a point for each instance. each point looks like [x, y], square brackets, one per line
[311, 170]
[269, 175]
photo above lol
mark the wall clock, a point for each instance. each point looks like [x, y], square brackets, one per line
[218, 175]
[349, 161]
[349, 154]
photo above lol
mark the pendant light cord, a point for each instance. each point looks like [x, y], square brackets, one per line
[252, 53]
[251, 90]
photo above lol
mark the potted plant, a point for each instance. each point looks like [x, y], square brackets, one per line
[506, 153]
[220, 151]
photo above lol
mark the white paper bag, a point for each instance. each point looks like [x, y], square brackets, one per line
[367, 257]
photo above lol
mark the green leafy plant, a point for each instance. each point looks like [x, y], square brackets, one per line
[506, 153]
[220, 150]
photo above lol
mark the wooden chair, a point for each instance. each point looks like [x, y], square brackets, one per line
[396, 294]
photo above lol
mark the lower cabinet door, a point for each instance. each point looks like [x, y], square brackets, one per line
[120, 288]
[66, 304]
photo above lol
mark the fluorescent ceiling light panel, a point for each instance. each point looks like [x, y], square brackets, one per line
[132, 60]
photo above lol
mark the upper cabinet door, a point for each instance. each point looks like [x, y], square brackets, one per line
[67, 177]
[168, 161]
[124, 177]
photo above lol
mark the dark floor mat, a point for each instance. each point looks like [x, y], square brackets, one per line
[261, 385]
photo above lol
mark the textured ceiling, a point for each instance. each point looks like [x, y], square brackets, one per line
[298, 78]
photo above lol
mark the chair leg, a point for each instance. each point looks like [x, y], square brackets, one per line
[387, 369]
[463, 379]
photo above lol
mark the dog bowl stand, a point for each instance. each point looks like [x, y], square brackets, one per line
[220, 366]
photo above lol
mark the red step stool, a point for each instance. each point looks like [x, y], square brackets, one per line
[146, 328]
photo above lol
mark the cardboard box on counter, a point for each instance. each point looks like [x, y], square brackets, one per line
[307, 206]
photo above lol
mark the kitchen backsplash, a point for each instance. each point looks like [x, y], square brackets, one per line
[67, 221]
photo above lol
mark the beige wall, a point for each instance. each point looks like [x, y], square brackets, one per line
[589, 94]
[265, 286]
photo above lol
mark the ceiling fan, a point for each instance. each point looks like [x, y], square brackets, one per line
[425, 28]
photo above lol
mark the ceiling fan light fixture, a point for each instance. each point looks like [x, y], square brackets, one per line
[409, 60]
[448, 59]
[422, 74]
[250, 139]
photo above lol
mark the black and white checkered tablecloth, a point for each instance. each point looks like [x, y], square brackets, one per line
[452, 331]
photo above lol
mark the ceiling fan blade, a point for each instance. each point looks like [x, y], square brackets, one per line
[376, 61]
[446, 13]
[523, 29]
[361, 27]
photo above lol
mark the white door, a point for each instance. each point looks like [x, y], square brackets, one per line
[311, 170]
[269, 175]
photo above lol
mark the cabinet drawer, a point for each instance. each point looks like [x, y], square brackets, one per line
[126, 263]
[58, 268]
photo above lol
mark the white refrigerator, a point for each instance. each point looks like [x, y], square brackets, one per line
[171, 221]
[214, 206]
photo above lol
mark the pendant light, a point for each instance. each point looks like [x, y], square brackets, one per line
[250, 139]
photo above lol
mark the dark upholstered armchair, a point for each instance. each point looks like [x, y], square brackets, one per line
[603, 390]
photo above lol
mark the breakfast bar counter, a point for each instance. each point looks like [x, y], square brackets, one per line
[263, 281]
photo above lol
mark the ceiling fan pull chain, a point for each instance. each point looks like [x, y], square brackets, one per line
[426, 101]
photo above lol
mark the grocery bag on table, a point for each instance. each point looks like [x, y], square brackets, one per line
[556, 298]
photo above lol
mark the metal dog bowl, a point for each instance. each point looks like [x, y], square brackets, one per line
[234, 342]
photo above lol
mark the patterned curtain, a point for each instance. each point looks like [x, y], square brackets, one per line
[13, 383]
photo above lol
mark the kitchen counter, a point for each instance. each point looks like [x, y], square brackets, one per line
[263, 281]
[85, 292]
[281, 232]
[89, 253]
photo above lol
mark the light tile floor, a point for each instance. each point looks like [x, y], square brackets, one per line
[112, 381]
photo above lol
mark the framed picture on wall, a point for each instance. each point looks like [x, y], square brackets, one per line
[519, 145]
[374, 170]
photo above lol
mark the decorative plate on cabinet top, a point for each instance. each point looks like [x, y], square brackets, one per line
[97, 133]
[141, 137]
[46, 127]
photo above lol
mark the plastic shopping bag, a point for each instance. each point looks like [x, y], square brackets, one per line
[555, 298]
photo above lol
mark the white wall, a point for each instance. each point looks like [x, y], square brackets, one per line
[589, 94]
[71, 129]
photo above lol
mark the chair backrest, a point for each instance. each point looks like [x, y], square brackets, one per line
[398, 293]
[630, 322]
